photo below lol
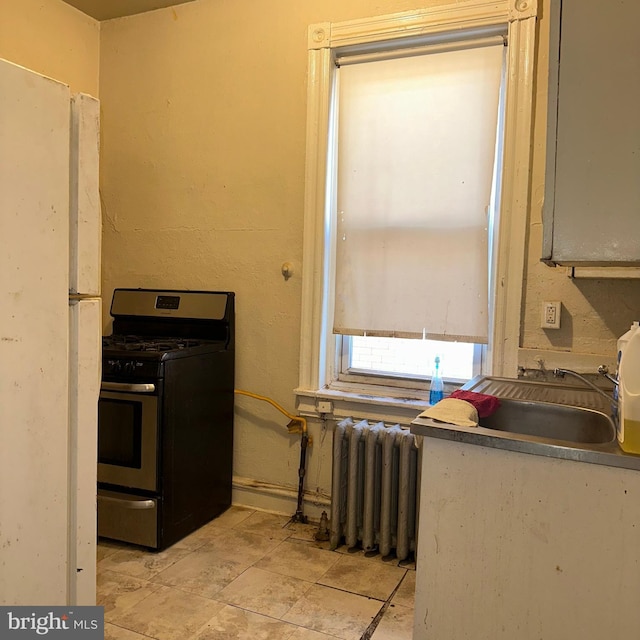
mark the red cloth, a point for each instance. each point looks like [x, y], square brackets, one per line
[485, 404]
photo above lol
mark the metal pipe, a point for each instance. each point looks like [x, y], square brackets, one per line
[560, 373]
[299, 516]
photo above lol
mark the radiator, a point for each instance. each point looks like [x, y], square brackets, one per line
[374, 486]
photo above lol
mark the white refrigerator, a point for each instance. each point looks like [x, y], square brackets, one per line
[50, 340]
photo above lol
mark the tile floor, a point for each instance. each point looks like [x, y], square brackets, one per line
[249, 575]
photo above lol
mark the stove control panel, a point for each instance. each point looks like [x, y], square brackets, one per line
[130, 368]
[189, 305]
[167, 302]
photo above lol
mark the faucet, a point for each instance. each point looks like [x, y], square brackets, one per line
[602, 369]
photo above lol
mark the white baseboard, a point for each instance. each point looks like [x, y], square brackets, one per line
[274, 498]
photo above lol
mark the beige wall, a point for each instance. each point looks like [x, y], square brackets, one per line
[203, 185]
[54, 39]
[204, 116]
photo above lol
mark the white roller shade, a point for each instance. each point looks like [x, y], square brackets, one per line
[416, 153]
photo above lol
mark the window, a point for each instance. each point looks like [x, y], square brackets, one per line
[417, 150]
[337, 237]
[403, 358]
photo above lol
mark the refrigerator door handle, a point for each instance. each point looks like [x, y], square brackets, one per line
[79, 297]
[128, 504]
[130, 387]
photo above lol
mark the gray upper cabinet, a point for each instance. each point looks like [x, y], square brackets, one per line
[592, 186]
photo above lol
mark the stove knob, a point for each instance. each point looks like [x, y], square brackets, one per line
[130, 367]
[115, 366]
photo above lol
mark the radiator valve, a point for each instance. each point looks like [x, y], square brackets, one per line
[322, 533]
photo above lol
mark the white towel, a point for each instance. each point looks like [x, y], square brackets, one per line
[453, 411]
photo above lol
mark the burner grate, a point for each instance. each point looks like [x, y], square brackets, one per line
[137, 343]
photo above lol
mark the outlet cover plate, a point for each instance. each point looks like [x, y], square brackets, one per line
[551, 310]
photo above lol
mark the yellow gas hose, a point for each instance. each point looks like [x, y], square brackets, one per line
[298, 424]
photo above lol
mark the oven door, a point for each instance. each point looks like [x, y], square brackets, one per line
[128, 435]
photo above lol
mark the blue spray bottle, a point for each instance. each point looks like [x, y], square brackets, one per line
[436, 388]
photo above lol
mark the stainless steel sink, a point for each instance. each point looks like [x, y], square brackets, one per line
[574, 414]
[543, 418]
[551, 421]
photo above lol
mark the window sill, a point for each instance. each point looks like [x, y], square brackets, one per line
[345, 400]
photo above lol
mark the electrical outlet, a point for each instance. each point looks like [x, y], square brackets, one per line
[551, 315]
[324, 406]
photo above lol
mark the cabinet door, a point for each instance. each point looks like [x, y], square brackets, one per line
[592, 192]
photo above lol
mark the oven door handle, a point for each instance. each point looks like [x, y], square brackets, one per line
[128, 504]
[128, 386]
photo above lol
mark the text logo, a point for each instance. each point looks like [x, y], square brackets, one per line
[24, 623]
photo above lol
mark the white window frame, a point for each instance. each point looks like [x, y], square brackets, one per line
[319, 364]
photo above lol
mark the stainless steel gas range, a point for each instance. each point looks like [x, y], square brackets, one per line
[165, 414]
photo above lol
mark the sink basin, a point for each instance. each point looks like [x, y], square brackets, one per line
[563, 421]
[551, 421]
